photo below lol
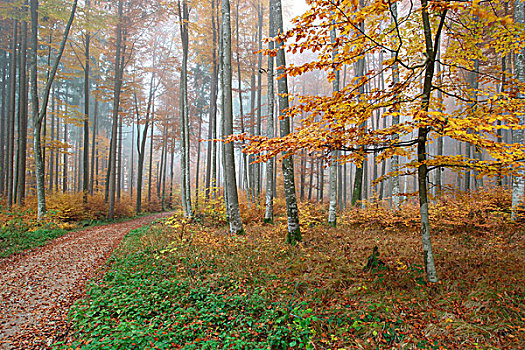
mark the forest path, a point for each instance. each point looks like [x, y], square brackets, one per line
[38, 288]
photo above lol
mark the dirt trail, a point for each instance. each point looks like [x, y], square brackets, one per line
[38, 288]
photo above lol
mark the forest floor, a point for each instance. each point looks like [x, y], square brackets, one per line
[191, 285]
[39, 286]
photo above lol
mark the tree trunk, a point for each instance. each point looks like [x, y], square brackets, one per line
[85, 161]
[518, 183]
[116, 105]
[214, 169]
[292, 211]
[229, 157]
[241, 107]
[257, 166]
[65, 170]
[119, 160]
[185, 145]
[53, 137]
[302, 175]
[57, 153]
[93, 148]
[394, 162]
[197, 170]
[332, 207]
[311, 180]
[22, 118]
[141, 142]
[3, 123]
[150, 167]
[359, 172]
[212, 116]
[422, 141]
[268, 214]
[38, 116]
[11, 118]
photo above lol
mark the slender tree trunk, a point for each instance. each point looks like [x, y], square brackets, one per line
[3, 122]
[38, 115]
[439, 141]
[132, 161]
[53, 137]
[212, 117]
[150, 168]
[119, 160]
[229, 156]
[161, 177]
[11, 118]
[394, 162]
[302, 175]
[311, 181]
[268, 214]
[292, 211]
[321, 181]
[257, 166]
[85, 179]
[518, 183]
[215, 170]
[185, 149]
[57, 153]
[332, 208]
[197, 171]
[172, 152]
[141, 150]
[345, 184]
[422, 141]
[141, 142]
[358, 179]
[251, 158]
[241, 107]
[22, 117]
[116, 106]
[93, 147]
[163, 174]
[65, 170]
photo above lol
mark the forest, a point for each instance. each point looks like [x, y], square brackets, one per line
[262, 174]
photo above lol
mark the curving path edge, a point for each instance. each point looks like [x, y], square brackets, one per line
[37, 288]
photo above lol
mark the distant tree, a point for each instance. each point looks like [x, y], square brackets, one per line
[234, 214]
[39, 110]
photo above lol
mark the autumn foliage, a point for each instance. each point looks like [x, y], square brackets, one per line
[198, 286]
[478, 212]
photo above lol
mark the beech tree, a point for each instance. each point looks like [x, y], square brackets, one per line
[234, 214]
[292, 212]
[339, 121]
[39, 109]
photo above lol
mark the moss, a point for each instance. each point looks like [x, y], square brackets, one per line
[294, 237]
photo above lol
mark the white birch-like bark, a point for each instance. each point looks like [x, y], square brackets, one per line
[184, 132]
[257, 166]
[332, 207]
[268, 214]
[292, 211]
[518, 182]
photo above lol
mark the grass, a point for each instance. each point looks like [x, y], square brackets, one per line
[17, 234]
[192, 286]
[15, 240]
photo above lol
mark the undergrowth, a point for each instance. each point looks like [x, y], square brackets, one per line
[20, 229]
[190, 285]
